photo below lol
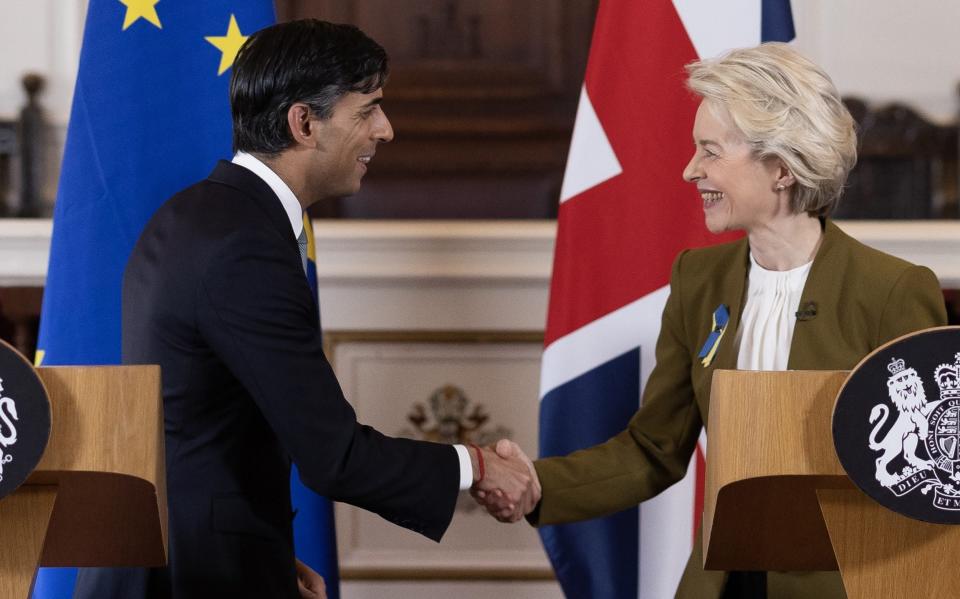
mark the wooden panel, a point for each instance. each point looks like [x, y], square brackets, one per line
[23, 523]
[906, 168]
[770, 448]
[105, 418]
[20, 317]
[884, 554]
[106, 453]
[456, 40]
[482, 94]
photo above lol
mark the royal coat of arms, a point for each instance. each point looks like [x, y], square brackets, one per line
[896, 425]
[924, 437]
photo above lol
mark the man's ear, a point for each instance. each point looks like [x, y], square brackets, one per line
[303, 129]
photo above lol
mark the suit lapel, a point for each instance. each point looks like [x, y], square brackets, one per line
[732, 289]
[822, 288]
[255, 188]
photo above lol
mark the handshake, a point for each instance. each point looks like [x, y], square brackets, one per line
[505, 482]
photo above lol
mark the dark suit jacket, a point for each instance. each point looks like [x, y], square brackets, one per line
[864, 298]
[215, 293]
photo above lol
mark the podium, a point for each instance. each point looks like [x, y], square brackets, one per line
[98, 495]
[778, 499]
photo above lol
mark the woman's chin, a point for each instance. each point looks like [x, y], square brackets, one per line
[721, 223]
[715, 226]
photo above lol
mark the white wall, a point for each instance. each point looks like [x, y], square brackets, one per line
[886, 50]
[42, 36]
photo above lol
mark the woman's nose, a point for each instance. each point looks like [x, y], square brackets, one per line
[692, 174]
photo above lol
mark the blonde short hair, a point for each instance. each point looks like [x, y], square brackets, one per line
[787, 108]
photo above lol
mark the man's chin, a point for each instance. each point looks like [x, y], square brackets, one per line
[346, 191]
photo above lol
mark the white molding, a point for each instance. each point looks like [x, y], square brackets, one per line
[470, 262]
[434, 275]
[438, 250]
[24, 252]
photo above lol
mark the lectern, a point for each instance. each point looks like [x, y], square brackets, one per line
[98, 495]
[777, 497]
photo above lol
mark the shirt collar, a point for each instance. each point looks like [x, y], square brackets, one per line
[289, 201]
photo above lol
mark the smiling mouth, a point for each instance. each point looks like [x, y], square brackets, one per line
[710, 198]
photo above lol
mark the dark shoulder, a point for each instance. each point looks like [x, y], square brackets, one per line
[202, 221]
[214, 210]
[207, 205]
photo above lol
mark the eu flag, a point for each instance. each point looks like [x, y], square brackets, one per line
[150, 116]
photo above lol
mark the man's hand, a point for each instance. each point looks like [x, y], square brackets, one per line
[310, 583]
[510, 489]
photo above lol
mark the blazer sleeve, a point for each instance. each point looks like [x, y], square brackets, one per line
[915, 302]
[256, 311]
[646, 458]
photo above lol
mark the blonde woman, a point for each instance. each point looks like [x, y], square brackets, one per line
[773, 147]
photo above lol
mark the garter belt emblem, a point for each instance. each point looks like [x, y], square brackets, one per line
[926, 435]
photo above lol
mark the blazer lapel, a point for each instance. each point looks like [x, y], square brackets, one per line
[822, 288]
[732, 288]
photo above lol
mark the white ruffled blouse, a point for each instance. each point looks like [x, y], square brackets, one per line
[769, 316]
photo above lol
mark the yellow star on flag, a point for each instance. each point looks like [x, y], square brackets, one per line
[228, 44]
[140, 9]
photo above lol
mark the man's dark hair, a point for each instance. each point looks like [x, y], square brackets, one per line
[307, 61]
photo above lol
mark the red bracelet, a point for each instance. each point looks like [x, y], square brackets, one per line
[479, 461]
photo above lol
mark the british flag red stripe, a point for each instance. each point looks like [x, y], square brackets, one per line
[622, 235]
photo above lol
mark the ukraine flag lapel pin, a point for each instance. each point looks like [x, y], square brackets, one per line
[709, 350]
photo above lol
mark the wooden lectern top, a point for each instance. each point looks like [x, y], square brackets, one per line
[777, 497]
[98, 495]
[770, 449]
[106, 458]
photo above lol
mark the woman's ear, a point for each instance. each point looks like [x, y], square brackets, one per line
[785, 178]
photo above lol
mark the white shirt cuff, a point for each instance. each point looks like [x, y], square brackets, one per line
[466, 467]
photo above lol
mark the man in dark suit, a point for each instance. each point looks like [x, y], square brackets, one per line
[215, 293]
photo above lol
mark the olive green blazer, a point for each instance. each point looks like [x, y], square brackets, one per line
[863, 298]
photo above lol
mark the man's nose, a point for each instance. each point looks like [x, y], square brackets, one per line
[384, 130]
